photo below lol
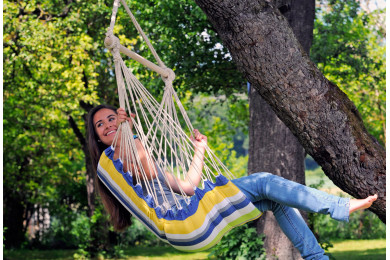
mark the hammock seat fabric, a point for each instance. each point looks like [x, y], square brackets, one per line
[211, 212]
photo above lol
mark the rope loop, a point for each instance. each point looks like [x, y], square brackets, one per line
[112, 43]
[171, 76]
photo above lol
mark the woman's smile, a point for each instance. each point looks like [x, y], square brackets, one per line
[105, 125]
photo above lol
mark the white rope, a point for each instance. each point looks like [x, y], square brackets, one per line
[140, 31]
[167, 146]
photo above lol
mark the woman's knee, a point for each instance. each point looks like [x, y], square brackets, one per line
[261, 175]
[261, 178]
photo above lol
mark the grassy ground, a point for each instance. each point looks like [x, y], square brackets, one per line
[359, 249]
[162, 253]
[345, 250]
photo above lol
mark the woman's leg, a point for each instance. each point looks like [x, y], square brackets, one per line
[295, 228]
[260, 186]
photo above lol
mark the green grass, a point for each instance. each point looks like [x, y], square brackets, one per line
[160, 253]
[359, 249]
[25, 254]
[345, 250]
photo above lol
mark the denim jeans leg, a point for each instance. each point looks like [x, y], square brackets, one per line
[259, 186]
[295, 228]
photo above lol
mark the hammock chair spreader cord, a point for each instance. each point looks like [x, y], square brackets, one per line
[165, 119]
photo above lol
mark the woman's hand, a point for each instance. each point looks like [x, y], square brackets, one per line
[199, 140]
[122, 117]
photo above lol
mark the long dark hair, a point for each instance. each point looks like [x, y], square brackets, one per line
[120, 217]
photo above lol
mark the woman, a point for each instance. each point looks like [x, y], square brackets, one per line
[266, 191]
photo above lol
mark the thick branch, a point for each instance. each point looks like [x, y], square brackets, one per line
[77, 131]
[325, 121]
[43, 15]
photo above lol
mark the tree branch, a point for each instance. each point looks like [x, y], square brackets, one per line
[322, 117]
[45, 16]
[77, 131]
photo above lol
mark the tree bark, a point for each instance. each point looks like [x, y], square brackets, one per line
[319, 114]
[13, 220]
[90, 179]
[273, 148]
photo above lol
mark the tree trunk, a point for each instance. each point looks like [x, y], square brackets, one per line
[273, 148]
[319, 114]
[13, 220]
[90, 179]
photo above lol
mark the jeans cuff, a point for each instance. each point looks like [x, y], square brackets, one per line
[341, 210]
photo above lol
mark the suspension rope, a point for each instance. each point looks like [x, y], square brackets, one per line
[168, 148]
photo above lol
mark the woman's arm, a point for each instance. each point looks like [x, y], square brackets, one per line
[195, 171]
[146, 161]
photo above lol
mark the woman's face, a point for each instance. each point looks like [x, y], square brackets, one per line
[105, 125]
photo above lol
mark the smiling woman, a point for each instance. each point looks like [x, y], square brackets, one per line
[125, 186]
[105, 125]
[120, 217]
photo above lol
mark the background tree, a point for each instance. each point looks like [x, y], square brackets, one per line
[45, 63]
[273, 148]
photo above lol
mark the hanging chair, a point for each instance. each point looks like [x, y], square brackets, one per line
[190, 223]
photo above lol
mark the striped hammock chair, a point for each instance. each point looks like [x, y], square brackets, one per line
[193, 223]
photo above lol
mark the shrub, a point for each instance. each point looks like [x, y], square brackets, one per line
[138, 235]
[240, 243]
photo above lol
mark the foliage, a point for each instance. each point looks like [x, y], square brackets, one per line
[240, 243]
[137, 235]
[361, 225]
[185, 42]
[310, 164]
[47, 72]
[349, 48]
[225, 123]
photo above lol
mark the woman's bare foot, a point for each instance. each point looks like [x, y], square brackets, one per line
[356, 204]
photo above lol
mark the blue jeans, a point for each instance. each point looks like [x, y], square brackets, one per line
[272, 192]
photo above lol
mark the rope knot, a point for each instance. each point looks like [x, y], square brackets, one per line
[111, 41]
[170, 77]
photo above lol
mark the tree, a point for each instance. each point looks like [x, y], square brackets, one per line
[273, 148]
[47, 73]
[325, 121]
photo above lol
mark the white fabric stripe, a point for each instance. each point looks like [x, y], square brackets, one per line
[216, 229]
